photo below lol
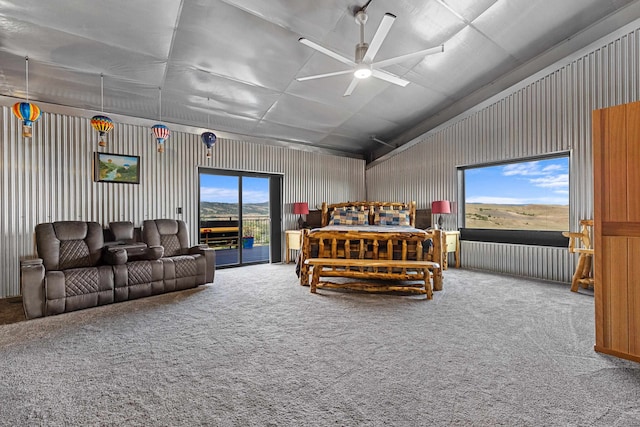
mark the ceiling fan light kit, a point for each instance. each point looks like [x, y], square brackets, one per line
[363, 66]
[362, 71]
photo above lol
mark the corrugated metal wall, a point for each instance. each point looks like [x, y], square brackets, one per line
[49, 178]
[547, 113]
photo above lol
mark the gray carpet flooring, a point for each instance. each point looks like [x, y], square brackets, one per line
[257, 349]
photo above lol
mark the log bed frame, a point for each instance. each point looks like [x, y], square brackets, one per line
[367, 255]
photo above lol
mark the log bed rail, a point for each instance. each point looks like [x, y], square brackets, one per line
[397, 256]
[340, 267]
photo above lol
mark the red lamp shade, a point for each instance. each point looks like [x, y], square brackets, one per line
[301, 208]
[440, 207]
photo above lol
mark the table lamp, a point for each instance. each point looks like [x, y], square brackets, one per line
[440, 207]
[301, 208]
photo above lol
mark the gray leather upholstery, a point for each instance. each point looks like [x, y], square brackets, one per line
[171, 234]
[183, 265]
[76, 270]
[69, 244]
[122, 231]
[70, 277]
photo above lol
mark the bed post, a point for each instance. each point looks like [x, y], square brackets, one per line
[412, 213]
[438, 256]
[325, 214]
[305, 252]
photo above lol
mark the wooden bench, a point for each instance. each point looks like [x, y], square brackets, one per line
[384, 269]
[219, 236]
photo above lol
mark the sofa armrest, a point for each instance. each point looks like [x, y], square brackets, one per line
[154, 252]
[32, 287]
[210, 258]
[115, 256]
[198, 249]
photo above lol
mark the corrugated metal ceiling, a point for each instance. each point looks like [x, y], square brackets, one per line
[232, 65]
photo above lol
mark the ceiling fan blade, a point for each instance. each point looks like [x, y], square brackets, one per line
[378, 37]
[352, 86]
[391, 78]
[425, 52]
[327, 52]
[319, 76]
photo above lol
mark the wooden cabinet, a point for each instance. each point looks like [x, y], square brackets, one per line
[616, 152]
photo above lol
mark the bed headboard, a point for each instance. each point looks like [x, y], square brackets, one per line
[370, 207]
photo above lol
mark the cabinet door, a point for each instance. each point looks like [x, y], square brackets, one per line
[616, 149]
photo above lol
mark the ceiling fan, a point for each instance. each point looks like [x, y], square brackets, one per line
[363, 66]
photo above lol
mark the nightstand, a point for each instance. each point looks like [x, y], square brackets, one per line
[452, 244]
[293, 242]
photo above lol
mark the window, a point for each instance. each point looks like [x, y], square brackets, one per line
[240, 216]
[518, 202]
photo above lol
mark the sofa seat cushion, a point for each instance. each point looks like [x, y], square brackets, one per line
[78, 288]
[186, 265]
[137, 279]
[183, 271]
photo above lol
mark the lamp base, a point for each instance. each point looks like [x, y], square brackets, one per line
[440, 222]
[301, 223]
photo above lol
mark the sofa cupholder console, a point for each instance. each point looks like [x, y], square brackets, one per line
[77, 269]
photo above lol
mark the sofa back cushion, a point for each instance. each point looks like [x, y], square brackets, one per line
[171, 234]
[122, 231]
[69, 244]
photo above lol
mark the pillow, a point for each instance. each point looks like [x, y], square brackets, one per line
[392, 217]
[348, 217]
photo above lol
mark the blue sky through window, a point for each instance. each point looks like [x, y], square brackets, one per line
[224, 189]
[533, 182]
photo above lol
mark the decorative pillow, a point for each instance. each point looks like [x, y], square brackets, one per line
[392, 217]
[348, 217]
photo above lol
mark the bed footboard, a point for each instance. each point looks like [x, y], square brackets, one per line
[369, 255]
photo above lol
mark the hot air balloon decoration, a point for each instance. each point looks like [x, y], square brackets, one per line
[209, 139]
[100, 122]
[103, 125]
[161, 133]
[28, 113]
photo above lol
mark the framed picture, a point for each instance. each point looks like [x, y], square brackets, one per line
[108, 167]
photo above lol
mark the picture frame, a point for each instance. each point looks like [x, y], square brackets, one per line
[116, 168]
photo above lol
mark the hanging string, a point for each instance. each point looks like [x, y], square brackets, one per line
[208, 114]
[160, 103]
[26, 59]
[102, 92]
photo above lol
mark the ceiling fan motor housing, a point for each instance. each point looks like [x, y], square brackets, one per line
[361, 50]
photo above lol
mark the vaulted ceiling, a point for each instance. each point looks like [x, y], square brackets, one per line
[231, 65]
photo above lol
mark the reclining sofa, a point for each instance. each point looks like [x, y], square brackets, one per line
[77, 270]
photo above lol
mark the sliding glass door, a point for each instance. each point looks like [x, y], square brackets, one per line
[238, 212]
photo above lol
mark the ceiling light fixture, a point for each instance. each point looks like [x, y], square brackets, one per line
[160, 131]
[362, 71]
[102, 123]
[26, 111]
